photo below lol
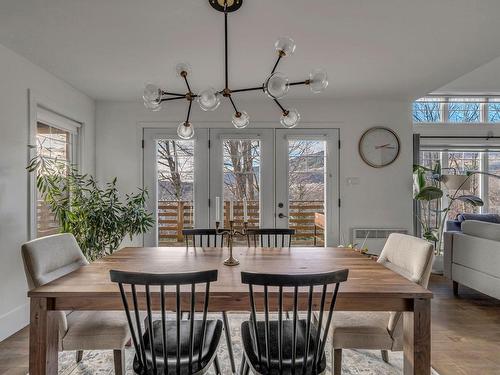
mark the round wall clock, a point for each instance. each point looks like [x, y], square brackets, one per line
[379, 147]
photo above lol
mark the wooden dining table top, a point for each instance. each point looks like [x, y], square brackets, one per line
[367, 278]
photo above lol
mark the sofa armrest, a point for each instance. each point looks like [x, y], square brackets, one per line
[448, 254]
[482, 229]
[453, 225]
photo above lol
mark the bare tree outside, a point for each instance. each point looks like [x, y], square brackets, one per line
[464, 110]
[427, 110]
[175, 169]
[241, 169]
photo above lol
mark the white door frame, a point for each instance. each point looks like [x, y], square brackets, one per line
[201, 171]
[332, 188]
[266, 137]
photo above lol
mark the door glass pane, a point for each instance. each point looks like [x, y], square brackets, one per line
[175, 179]
[494, 183]
[463, 162]
[429, 159]
[306, 191]
[55, 144]
[241, 158]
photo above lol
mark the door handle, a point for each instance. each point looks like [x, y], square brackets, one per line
[281, 215]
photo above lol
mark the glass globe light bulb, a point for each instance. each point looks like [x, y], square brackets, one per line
[285, 45]
[241, 120]
[318, 80]
[209, 99]
[290, 119]
[153, 106]
[151, 93]
[185, 130]
[277, 85]
[183, 67]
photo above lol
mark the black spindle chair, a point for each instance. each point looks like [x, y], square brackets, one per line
[203, 238]
[210, 238]
[294, 346]
[271, 237]
[173, 346]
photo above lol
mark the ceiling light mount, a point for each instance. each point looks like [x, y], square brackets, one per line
[220, 5]
[275, 86]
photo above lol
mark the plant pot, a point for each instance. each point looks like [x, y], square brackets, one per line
[438, 266]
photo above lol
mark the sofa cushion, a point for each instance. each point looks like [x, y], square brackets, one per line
[490, 231]
[490, 218]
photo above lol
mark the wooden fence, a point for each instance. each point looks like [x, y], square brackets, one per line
[173, 216]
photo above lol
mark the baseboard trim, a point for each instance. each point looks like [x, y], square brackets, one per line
[13, 321]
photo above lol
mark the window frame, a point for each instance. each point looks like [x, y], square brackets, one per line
[44, 110]
[484, 101]
[484, 165]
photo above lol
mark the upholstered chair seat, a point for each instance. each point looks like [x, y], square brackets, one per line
[49, 258]
[362, 330]
[408, 256]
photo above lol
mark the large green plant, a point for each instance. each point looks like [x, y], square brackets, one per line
[97, 216]
[427, 190]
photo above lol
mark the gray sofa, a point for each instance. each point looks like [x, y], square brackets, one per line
[472, 257]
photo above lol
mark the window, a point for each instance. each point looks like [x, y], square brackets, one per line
[460, 161]
[175, 173]
[494, 110]
[464, 110]
[427, 110]
[57, 144]
[241, 158]
[306, 192]
[56, 137]
[456, 110]
[493, 184]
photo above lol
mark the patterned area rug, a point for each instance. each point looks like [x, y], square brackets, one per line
[354, 362]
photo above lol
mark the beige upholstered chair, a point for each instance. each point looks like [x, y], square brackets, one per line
[48, 258]
[412, 258]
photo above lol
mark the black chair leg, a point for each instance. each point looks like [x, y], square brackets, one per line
[79, 356]
[217, 365]
[228, 341]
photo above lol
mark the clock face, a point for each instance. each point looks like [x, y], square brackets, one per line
[379, 147]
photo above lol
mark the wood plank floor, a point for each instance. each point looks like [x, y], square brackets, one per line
[465, 335]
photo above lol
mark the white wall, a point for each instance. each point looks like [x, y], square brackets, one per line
[382, 199]
[17, 76]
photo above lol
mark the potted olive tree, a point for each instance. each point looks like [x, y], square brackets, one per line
[98, 216]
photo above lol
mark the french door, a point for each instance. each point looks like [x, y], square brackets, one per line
[288, 178]
[307, 188]
[176, 174]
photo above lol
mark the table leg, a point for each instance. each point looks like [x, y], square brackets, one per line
[43, 343]
[417, 338]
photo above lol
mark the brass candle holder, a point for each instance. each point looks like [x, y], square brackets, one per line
[230, 233]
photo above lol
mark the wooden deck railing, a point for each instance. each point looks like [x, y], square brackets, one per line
[173, 216]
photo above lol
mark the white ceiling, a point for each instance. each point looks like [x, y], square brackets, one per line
[390, 48]
[483, 80]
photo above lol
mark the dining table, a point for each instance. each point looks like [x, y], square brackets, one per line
[370, 287]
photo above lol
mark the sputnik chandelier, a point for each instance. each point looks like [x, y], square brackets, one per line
[276, 86]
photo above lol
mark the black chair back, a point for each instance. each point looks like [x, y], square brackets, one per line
[311, 333]
[271, 237]
[203, 238]
[151, 358]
